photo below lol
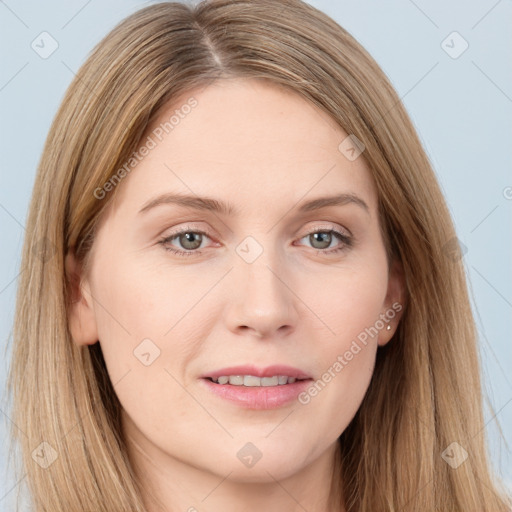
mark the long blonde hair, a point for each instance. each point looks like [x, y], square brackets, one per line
[426, 391]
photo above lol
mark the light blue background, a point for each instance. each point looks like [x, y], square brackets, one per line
[462, 109]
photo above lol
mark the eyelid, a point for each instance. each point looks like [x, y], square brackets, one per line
[188, 227]
[328, 226]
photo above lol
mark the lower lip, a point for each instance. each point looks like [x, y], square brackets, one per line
[258, 397]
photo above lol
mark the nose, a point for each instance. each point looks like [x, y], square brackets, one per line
[261, 299]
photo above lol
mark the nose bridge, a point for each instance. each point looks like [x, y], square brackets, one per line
[264, 301]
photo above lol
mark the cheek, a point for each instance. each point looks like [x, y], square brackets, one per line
[135, 301]
[344, 374]
[151, 325]
[147, 326]
[350, 304]
[335, 397]
[345, 300]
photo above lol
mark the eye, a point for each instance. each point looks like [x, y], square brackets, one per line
[189, 239]
[322, 239]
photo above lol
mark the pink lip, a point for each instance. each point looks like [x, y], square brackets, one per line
[270, 397]
[269, 371]
[267, 397]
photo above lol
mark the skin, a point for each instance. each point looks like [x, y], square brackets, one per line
[265, 150]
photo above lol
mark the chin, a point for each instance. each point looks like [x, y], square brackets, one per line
[263, 472]
[265, 464]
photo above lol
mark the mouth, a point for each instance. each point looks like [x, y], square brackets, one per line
[253, 380]
[254, 388]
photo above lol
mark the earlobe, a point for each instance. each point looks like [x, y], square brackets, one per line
[394, 302]
[81, 316]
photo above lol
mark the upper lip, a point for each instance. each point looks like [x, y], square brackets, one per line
[268, 371]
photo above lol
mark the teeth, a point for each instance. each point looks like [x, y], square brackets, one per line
[236, 380]
[249, 380]
[270, 381]
[252, 381]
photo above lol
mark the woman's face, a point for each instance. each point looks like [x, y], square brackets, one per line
[266, 283]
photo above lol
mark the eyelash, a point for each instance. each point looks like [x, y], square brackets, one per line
[347, 241]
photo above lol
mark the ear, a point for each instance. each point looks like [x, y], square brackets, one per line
[81, 316]
[394, 302]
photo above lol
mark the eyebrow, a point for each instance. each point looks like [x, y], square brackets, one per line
[214, 205]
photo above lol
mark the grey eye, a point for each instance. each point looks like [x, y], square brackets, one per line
[190, 240]
[324, 238]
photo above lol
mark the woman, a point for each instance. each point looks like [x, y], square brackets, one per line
[247, 295]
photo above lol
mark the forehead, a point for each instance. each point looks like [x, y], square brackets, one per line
[248, 141]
